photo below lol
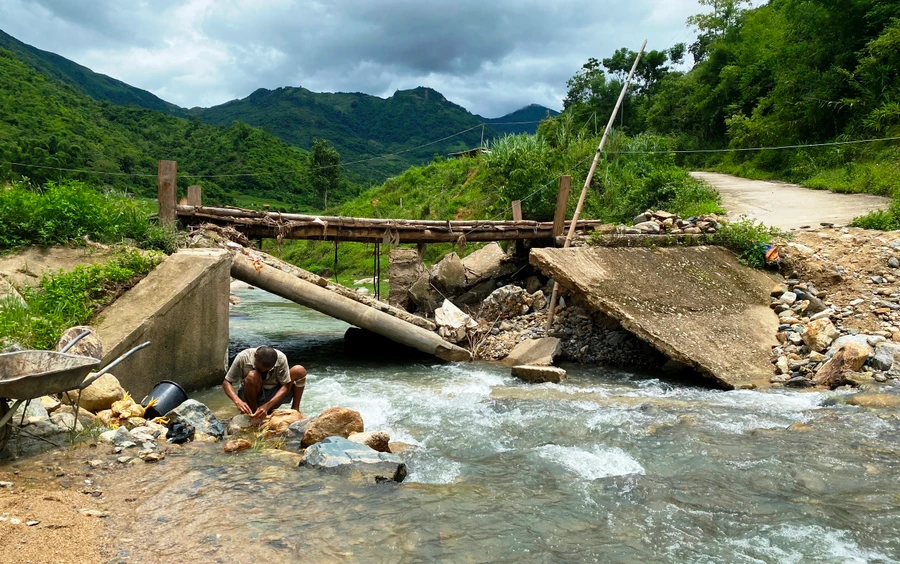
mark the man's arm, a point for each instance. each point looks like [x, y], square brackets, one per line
[276, 400]
[232, 395]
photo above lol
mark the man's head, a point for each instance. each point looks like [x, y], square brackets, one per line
[265, 358]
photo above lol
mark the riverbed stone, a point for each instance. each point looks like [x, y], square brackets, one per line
[241, 424]
[875, 400]
[376, 440]
[197, 415]
[278, 423]
[452, 323]
[35, 409]
[237, 445]
[116, 437]
[539, 374]
[534, 352]
[886, 356]
[299, 428]
[861, 339]
[101, 394]
[90, 346]
[335, 421]
[66, 422]
[505, 303]
[342, 456]
[819, 334]
[849, 358]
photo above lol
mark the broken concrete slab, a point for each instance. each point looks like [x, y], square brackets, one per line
[539, 374]
[487, 262]
[405, 268]
[535, 352]
[696, 305]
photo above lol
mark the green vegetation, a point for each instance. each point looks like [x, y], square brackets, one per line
[750, 240]
[789, 72]
[46, 123]
[66, 212]
[65, 299]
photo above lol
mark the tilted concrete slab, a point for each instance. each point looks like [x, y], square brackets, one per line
[181, 307]
[696, 305]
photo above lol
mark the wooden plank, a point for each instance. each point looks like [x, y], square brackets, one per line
[166, 181]
[195, 196]
[562, 203]
[517, 217]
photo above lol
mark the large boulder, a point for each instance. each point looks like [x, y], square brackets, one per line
[886, 356]
[452, 323]
[849, 358]
[487, 262]
[539, 374]
[405, 268]
[860, 339]
[100, 395]
[278, 423]
[88, 346]
[534, 352]
[819, 334]
[477, 293]
[449, 275]
[240, 425]
[505, 303]
[334, 421]
[376, 440]
[341, 456]
[198, 416]
[425, 298]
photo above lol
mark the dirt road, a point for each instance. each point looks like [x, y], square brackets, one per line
[788, 206]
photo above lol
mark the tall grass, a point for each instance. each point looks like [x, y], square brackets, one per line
[66, 212]
[64, 299]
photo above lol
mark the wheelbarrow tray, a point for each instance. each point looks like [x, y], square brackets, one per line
[28, 375]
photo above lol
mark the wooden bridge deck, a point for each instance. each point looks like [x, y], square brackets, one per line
[262, 224]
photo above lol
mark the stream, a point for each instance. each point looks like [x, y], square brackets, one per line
[609, 466]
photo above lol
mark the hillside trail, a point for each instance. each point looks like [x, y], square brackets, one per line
[788, 206]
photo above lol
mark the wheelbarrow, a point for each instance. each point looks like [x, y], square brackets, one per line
[28, 375]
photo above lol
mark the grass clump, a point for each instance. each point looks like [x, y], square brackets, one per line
[64, 299]
[750, 240]
[68, 211]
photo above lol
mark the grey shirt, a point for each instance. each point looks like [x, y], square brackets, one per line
[245, 361]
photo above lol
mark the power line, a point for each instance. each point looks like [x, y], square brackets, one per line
[76, 169]
[684, 151]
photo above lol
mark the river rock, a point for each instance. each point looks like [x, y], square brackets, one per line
[42, 429]
[198, 416]
[819, 334]
[50, 403]
[533, 285]
[886, 355]
[534, 352]
[35, 410]
[449, 275]
[241, 425]
[477, 294]
[505, 303]
[101, 394]
[117, 437]
[862, 340]
[539, 374]
[88, 346]
[487, 262]
[341, 456]
[237, 445]
[335, 421]
[875, 400]
[279, 422]
[376, 440]
[452, 323]
[648, 227]
[849, 358]
[299, 428]
[66, 422]
[9, 292]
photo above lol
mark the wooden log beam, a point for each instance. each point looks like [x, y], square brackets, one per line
[166, 183]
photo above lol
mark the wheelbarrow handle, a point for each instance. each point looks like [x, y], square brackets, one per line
[71, 344]
[90, 379]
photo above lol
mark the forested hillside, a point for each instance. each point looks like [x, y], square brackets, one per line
[523, 120]
[45, 123]
[789, 72]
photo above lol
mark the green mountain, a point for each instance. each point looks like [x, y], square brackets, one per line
[523, 120]
[53, 127]
[96, 85]
[360, 126]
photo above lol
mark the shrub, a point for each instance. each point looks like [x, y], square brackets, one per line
[750, 240]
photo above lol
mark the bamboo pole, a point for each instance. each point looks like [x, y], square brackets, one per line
[590, 176]
[166, 181]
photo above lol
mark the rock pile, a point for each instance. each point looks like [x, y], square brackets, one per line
[816, 350]
[662, 222]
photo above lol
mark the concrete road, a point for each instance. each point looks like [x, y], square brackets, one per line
[788, 206]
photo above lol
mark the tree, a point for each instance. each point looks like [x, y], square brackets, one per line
[725, 16]
[324, 168]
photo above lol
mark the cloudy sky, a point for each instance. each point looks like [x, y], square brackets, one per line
[490, 56]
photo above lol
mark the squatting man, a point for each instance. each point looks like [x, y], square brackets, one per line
[265, 381]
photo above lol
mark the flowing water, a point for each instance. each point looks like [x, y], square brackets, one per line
[610, 466]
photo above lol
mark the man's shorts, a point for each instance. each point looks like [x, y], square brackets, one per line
[265, 395]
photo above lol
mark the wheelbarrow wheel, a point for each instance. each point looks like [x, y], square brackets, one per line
[4, 429]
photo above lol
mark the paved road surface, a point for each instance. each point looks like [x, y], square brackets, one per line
[788, 206]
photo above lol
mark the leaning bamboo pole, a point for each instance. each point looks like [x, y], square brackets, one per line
[305, 293]
[590, 176]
